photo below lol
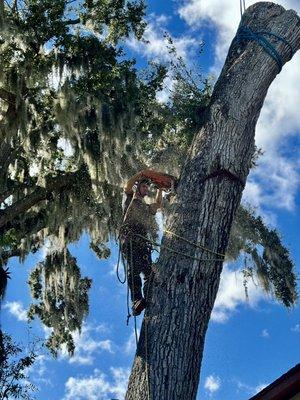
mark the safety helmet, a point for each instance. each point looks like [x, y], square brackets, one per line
[145, 180]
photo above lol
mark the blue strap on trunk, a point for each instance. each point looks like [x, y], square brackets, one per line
[245, 34]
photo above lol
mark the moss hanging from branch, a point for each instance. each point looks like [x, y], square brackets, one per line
[62, 298]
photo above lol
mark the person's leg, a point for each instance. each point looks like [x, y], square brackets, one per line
[147, 272]
[131, 254]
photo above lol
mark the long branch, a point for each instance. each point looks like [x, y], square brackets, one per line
[39, 194]
[7, 96]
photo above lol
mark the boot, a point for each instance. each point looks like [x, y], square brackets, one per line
[138, 306]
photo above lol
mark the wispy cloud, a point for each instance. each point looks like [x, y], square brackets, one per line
[296, 328]
[16, 309]
[232, 294]
[98, 385]
[155, 45]
[275, 182]
[130, 346]
[248, 389]
[212, 384]
[265, 334]
[87, 346]
[39, 372]
[156, 48]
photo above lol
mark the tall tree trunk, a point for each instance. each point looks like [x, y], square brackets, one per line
[168, 359]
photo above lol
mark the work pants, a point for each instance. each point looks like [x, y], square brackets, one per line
[137, 254]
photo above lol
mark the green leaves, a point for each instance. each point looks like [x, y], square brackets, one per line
[14, 365]
[115, 19]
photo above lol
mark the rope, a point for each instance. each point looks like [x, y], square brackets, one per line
[132, 280]
[162, 246]
[194, 244]
[146, 338]
[242, 7]
[118, 266]
[222, 172]
[150, 283]
[245, 33]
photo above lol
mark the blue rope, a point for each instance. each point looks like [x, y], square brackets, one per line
[245, 33]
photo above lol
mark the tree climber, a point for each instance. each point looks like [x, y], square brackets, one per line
[134, 233]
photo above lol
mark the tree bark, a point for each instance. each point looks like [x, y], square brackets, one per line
[168, 359]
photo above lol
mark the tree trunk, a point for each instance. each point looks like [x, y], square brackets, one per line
[169, 354]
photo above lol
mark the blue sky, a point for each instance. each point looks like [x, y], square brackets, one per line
[248, 344]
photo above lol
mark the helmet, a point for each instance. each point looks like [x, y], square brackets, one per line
[145, 180]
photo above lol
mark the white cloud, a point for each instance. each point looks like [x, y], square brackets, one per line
[251, 390]
[130, 345]
[265, 334]
[101, 328]
[86, 346]
[155, 45]
[260, 387]
[296, 328]
[231, 294]
[225, 19]
[39, 372]
[17, 309]
[275, 182]
[98, 385]
[212, 384]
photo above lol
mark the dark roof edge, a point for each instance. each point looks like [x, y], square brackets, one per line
[288, 384]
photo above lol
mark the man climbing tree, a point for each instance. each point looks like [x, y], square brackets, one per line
[136, 246]
[168, 358]
[99, 105]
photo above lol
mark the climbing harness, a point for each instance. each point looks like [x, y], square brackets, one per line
[127, 264]
[246, 34]
[197, 245]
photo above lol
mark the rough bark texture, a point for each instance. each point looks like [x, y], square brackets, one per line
[169, 354]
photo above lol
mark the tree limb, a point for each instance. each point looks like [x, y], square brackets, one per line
[7, 96]
[40, 193]
[72, 21]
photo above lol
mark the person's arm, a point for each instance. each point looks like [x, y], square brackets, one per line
[158, 202]
[130, 183]
[146, 173]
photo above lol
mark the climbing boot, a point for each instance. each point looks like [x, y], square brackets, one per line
[138, 306]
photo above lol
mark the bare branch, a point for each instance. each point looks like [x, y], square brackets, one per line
[72, 21]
